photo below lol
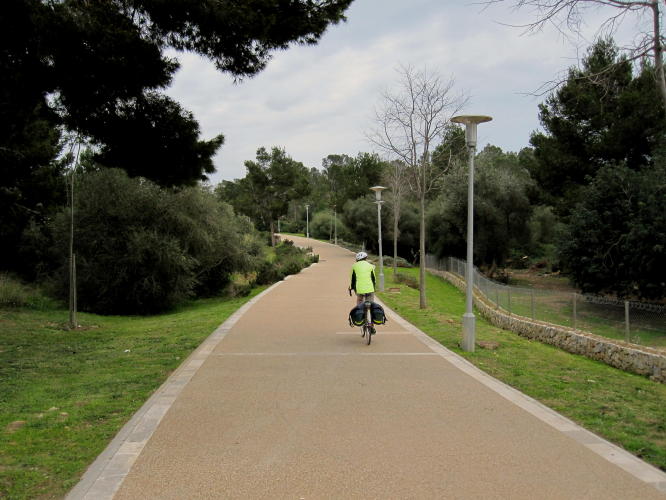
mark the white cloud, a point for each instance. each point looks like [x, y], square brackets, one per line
[319, 100]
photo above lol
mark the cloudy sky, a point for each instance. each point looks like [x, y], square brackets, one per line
[319, 100]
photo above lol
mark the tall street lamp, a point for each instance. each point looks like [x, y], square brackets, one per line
[307, 220]
[378, 197]
[469, 322]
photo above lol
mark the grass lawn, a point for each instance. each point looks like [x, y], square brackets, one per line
[626, 409]
[65, 394]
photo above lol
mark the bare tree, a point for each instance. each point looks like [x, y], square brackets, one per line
[568, 16]
[409, 121]
[395, 177]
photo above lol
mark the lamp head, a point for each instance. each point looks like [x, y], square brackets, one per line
[470, 122]
[378, 191]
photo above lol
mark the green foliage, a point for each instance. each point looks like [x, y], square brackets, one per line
[13, 293]
[452, 152]
[322, 226]
[400, 262]
[408, 229]
[106, 60]
[288, 259]
[501, 209]
[351, 178]
[97, 70]
[141, 248]
[270, 184]
[360, 216]
[601, 116]
[617, 238]
[546, 230]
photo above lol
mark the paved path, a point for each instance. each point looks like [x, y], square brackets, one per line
[285, 401]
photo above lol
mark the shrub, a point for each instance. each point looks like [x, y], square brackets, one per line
[287, 259]
[400, 262]
[410, 281]
[323, 224]
[142, 249]
[13, 293]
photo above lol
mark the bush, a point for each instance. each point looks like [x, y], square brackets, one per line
[143, 249]
[287, 259]
[617, 236]
[410, 281]
[322, 226]
[400, 262]
[13, 293]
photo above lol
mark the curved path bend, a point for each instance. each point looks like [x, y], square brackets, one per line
[285, 401]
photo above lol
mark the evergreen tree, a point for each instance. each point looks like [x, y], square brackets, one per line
[603, 115]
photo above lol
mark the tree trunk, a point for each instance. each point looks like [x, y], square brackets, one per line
[422, 263]
[658, 53]
[272, 233]
[395, 241]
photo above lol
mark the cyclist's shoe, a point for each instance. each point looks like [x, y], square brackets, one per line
[372, 330]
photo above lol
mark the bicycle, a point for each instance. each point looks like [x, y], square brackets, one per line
[368, 328]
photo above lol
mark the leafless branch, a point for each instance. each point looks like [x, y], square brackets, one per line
[567, 16]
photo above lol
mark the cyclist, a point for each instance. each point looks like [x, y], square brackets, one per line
[363, 278]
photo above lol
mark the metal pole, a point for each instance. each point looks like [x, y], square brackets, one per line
[307, 221]
[381, 257]
[574, 311]
[469, 322]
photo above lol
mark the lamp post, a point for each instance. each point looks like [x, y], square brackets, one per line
[378, 200]
[469, 322]
[307, 220]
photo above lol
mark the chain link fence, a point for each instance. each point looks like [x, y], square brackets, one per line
[635, 322]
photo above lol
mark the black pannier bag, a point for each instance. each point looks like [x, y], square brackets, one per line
[356, 316]
[377, 314]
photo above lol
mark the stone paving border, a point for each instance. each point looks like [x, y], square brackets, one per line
[103, 478]
[605, 449]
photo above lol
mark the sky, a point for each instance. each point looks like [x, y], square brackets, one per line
[313, 101]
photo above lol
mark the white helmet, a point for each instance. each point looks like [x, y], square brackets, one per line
[361, 256]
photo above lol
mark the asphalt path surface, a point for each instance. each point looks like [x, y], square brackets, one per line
[287, 401]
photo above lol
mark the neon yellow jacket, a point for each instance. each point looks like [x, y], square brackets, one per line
[363, 277]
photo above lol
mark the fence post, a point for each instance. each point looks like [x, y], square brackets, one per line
[508, 294]
[496, 297]
[532, 297]
[626, 321]
[574, 311]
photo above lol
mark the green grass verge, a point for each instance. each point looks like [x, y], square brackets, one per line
[65, 394]
[626, 409]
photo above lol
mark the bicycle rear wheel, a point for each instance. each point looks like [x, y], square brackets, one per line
[368, 334]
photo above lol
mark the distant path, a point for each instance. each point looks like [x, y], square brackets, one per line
[287, 402]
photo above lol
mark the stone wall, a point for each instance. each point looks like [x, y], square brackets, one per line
[629, 357]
